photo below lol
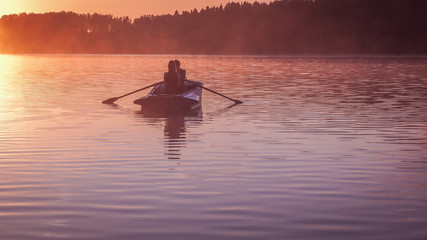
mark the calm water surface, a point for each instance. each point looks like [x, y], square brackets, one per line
[322, 148]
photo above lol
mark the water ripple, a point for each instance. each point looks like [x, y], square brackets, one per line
[323, 147]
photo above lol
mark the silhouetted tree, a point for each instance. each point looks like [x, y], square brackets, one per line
[280, 27]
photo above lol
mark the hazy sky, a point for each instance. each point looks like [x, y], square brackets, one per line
[131, 8]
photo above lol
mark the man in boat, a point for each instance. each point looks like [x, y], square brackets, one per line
[182, 73]
[173, 81]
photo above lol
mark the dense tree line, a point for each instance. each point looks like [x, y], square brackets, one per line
[280, 27]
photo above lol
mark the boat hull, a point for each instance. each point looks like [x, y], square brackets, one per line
[158, 102]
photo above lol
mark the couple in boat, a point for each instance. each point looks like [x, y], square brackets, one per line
[174, 78]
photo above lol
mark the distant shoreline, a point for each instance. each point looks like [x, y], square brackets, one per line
[287, 27]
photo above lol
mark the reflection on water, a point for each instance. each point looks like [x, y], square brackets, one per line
[174, 136]
[174, 128]
[322, 148]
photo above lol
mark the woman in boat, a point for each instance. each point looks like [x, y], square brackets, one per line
[173, 81]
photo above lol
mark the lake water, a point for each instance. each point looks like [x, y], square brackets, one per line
[321, 148]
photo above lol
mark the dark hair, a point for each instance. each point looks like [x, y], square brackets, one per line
[177, 63]
[172, 66]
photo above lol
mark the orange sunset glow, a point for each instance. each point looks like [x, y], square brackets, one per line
[213, 119]
[212, 27]
[131, 8]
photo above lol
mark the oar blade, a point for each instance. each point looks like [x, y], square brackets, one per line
[110, 100]
[210, 90]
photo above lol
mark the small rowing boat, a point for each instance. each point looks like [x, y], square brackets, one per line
[160, 102]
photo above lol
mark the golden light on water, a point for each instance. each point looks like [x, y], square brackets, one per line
[4, 66]
[8, 64]
[5, 94]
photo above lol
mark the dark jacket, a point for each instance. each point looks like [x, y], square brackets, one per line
[173, 82]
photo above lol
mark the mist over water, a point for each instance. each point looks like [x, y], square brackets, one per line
[322, 148]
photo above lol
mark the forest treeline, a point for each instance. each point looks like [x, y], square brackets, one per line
[279, 27]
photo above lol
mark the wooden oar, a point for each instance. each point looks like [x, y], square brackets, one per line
[234, 100]
[112, 100]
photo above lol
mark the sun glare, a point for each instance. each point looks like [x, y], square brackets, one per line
[7, 65]
[8, 7]
[9, 91]
[131, 8]
[4, 67]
